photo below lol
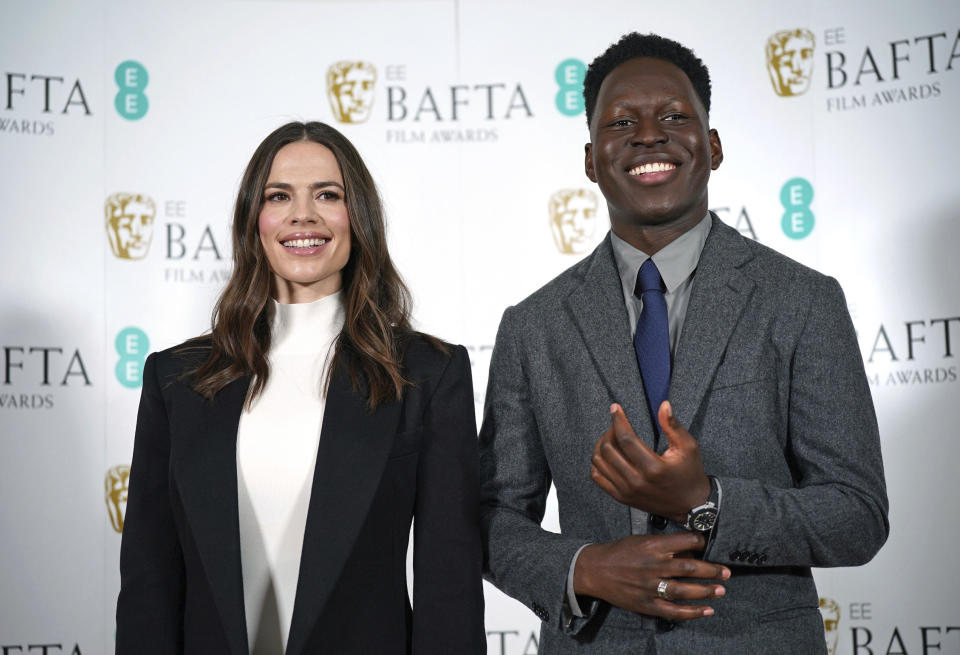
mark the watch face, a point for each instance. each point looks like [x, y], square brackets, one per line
[704, 520]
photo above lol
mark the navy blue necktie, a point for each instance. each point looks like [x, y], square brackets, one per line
[652, 338]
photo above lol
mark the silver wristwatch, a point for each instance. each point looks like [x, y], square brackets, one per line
[703, 517]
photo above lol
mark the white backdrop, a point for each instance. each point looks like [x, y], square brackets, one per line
[470, 133]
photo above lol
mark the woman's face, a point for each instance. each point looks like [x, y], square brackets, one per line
[304, 224]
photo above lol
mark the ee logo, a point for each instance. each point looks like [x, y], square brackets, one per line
[796, 196]
[131, 102]
[132, 345]
[569, 76]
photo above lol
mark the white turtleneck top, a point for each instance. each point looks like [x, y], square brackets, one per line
[277, 443]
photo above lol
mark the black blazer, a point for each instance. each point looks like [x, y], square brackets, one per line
[181, 582]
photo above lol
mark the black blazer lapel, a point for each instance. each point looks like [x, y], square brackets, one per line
[204, 463]
[719, 296]
[351, 458]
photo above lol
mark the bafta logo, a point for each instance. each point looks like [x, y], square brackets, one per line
[790, 61]
[350, 86]
[573, 220]
[115, 494]
[129, 223]
[831, 623]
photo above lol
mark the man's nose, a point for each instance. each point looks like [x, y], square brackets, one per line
[648, 132]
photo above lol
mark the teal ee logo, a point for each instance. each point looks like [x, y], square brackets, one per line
[133, 346]
[569, 76]
[130, 101]
[796, 196]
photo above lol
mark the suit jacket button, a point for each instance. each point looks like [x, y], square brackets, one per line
[763, 558]
[735, 556]
[658, 522]
[541, 613]
[753, 558]
[665, 625]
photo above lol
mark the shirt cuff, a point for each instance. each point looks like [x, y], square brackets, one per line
[716, 481]
[572, 603]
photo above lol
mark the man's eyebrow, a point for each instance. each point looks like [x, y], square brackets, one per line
[628, 102]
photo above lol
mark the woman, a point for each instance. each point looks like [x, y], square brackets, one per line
[279, 460]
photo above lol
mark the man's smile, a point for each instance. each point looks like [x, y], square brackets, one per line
[653, 172]
[656, 167]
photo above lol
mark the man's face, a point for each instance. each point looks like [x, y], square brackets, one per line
[794, 65]
[651, 149]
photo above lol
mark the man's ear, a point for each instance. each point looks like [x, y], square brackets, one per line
[716, 150]
[588, 162]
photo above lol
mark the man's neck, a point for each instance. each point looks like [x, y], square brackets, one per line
[650, 239]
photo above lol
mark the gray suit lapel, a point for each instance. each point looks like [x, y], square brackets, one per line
[601, 316]
[718, 297]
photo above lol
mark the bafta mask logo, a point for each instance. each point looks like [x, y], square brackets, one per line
[129, 222]
[350, 86]
[790, 61]
[831, 623]
[116, 494]
[573, 220]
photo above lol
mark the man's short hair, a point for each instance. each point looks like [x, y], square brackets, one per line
[634, 45]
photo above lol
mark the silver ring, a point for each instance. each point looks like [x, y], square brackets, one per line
[662, 590]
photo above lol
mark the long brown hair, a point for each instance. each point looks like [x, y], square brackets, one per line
[376, 301]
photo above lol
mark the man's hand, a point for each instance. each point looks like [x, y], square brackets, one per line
[669, 485]
[627, 573]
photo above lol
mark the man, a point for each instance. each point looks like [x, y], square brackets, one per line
[688, 525]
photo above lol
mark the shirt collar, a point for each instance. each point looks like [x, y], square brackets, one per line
[676, 261]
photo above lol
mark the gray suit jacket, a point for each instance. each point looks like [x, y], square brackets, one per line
[769, 379]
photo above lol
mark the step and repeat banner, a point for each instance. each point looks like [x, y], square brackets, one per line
[125, 127]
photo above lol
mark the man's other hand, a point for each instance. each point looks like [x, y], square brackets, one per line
[668, 485]
[640, 573]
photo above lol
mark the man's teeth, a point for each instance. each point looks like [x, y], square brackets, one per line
[304, 243]
[655, 167]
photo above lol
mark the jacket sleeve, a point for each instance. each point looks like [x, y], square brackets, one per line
[525, 561]
[835, 512]
[448, 587]
[150, 605]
